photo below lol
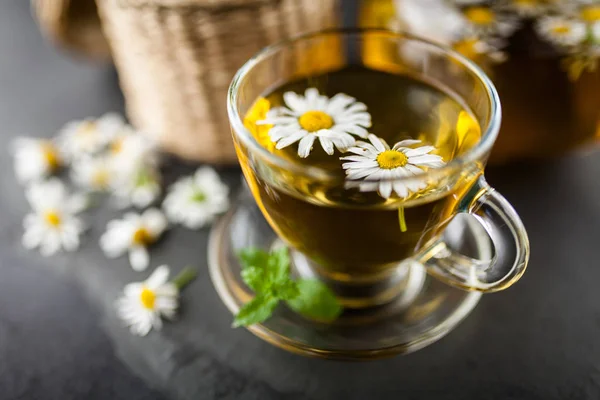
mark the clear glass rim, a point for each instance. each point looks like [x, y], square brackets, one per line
[489, 133]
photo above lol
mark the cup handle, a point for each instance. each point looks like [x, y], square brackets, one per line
[508, 236]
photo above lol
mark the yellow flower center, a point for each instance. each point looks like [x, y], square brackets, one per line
[51, 156]
[391, 159]
[480, 15]
[590, 13]
[116, 145]
[142, 237]
[466, 47]
[314, 121]
[86, 128]
[52, 218]
[148, 298]
[561, 29]
[101, 178]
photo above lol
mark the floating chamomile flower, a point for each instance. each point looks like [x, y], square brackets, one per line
[89, 136]
[386, 169]
[195, 201]
[482, 20]
[144, 303]
[134, 234]
[314, 116]
[35, 159]
[562, 30]
[53, 225]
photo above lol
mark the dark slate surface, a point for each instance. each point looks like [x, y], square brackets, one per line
[59, 338]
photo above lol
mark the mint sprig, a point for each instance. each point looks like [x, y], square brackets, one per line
[268, 275]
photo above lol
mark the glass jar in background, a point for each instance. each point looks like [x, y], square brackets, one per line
[543, 56]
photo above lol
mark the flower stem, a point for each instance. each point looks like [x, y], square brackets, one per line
[402, 219]
[183, 278]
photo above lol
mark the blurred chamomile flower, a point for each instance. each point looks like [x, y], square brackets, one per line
[53, 223]
[94, 173]
[35, 159]
[143, 304]
[562, 30]
[195, 201]
[89, 136]
[133, 235]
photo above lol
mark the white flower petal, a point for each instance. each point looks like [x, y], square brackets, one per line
[385, 189]
[406, 142]
[159, 277]
[50, 244]
[428, 160]
[400, 189]
[378, 143]
[296, 102]
[418, 151]
[305, 145]
[338, 103]
[326, 144]
[139, 258]
[155, 221]
[291, 139]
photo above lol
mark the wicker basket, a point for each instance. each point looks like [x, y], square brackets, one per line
[176, 59]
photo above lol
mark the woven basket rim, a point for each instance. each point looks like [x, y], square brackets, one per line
[195, 4]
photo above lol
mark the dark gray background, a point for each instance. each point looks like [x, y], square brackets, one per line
[59, 338]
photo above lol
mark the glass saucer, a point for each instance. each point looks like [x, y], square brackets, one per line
[423, 312]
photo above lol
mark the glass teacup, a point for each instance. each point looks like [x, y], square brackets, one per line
[359, 234]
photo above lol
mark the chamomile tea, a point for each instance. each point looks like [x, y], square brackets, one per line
[373, 134]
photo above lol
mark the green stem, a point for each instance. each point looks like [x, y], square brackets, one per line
[183, 278]
[402, 220]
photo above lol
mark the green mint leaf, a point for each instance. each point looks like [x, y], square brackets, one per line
[256, 310]
[315, 300]
[255, 278]
[253, 257]
[286, 290]
[279, 265]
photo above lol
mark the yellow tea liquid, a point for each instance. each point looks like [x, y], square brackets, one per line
[353, 234]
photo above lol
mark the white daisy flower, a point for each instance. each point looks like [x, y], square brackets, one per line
[53, 225]
[587, 11]
[385, 168]
[138, 188]
[89, 136]
[194, 201]
[561, 30]
[94, 173]
[482, 20]
[306, 118]
[526, 8]
[134, 234]
[35, 159]
[144, 303]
